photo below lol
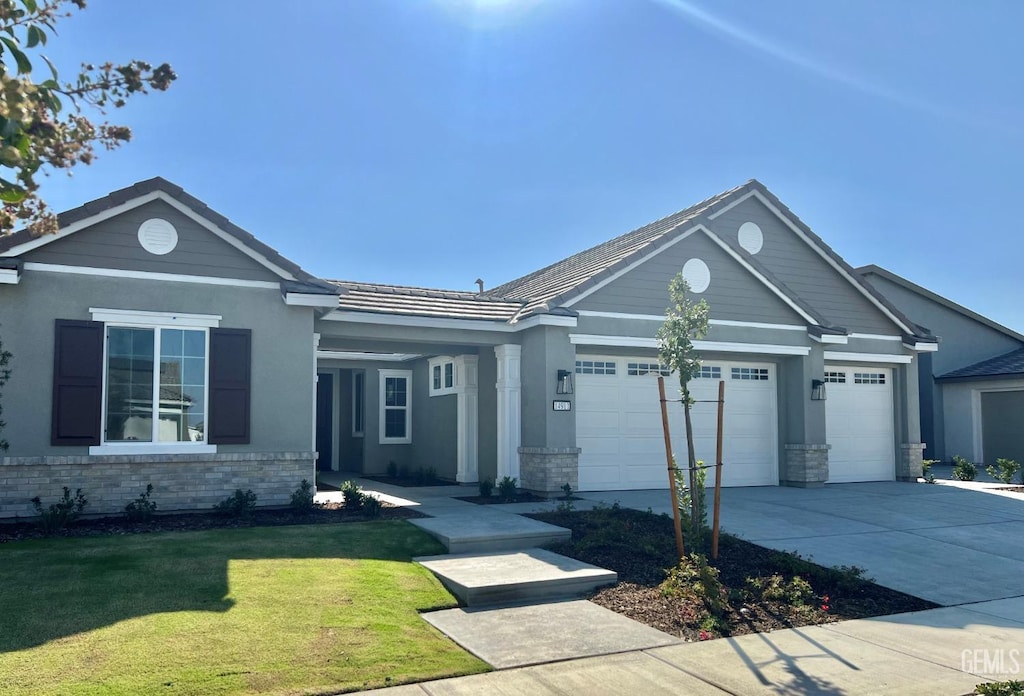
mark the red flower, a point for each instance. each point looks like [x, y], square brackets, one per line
[704, 635]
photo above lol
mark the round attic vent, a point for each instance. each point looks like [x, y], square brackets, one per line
[750, 237]
[697, 275]
[158, 236]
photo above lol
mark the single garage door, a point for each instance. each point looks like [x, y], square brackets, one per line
[618, 422]
[1002, 426]
[859, 423]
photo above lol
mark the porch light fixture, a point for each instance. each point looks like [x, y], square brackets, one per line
[564, 385]
[817, 390]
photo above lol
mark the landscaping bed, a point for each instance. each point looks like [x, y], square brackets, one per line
[411, 481]
[760, 589]
[522, 497]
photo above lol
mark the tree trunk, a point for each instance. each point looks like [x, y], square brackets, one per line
[690, 456]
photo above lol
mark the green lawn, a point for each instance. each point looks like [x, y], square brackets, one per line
[307, 609]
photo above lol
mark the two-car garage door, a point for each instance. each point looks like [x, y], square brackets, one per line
[618, 422]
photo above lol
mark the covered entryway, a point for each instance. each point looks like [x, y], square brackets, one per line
[618, 422]
[859, 424]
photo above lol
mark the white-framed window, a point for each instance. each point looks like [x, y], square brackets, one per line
[639, 369]
[835, 378]
[358, 402]
[395, 407]
[710, 372]
[869, 378]
[756, 374]
[442, 375]
[595, 367]
[156, 374]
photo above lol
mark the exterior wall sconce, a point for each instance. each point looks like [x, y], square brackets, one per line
[564, 385]
[817, 390]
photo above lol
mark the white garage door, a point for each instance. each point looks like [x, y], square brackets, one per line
[618, 422]
[859, 422]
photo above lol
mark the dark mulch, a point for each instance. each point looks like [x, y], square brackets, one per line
[1011, 489]
[640, 546]
[409, 481]
[524, 497]
[332, 513]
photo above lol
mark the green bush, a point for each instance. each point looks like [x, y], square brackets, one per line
[371, 505]
[795, 592]
[354, 497]
[964, 470]
[392, 469]
[1004, 688]
[508, 489]
[142, 508]
[566, 490]
[695, 535]
[238, 504]
[64, 512]
[486, 488]
[1004, 471]
[695, 580]
[926, 470]
[302, 497]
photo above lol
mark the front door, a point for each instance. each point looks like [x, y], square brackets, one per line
[324, 420]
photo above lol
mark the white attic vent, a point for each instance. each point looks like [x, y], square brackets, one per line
[157, 236]
[697, 274]
[750, 237]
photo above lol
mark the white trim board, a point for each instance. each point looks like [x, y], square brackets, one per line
[828, 338]
[140, 201]
[161, 319]
[150, 275]
[835, 356]
[143, 448]
[310, 299]
[9, 276]
[708, 346]
[876, 337]
[371, 357]
[448, 322]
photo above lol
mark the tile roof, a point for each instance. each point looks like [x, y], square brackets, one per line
[425, 302]
[1003, 366]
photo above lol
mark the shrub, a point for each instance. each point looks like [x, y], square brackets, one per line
[1004, 688]
[392, 469]
[354, 497]
[795, 592]
[486, 488]
[507, 489]
[64, 512]
[1004, 471]
[694, 579]
[695, 535]
[238, 504]
[371, 505]
[142, 508]
[964, 470]
[926, 470]
[302, 497]
[566, 490]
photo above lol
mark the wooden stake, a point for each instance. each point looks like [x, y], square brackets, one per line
[718, 470]
[671, 467]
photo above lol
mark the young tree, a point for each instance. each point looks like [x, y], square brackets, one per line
[685, 322]
[43, 123]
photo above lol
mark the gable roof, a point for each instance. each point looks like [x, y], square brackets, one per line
[872, 269]
[78, 218]
[424, 302]
[1001, 367]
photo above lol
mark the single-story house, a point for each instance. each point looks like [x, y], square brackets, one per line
[156, 342]
[972, 391]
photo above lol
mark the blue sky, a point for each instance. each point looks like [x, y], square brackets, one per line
[429, 142]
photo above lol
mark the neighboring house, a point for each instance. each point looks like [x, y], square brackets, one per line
[550, 378]
[972, 391]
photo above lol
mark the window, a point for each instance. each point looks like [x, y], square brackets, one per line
[757, 374]
[442, 375]
[710, 372]
[835, 378]
[594, 367]
[639, 369]
[395, 407]
[155, 384]
[358, 402]
[869, 378]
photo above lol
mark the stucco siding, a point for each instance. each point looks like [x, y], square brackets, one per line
[114, 243]
[282, 351]
[733, 294]
[435, 426]
[804, 271]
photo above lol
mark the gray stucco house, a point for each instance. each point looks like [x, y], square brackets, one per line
[156, 342]
[971, 391]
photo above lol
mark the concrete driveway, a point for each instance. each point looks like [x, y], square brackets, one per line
[945, 544]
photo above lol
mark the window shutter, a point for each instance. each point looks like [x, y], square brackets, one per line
[77, 383]
[230, 362]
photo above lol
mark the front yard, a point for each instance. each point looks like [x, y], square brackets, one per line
[269, 610]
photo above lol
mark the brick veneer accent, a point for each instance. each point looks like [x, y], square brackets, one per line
[180, 481]
[544, 470]
[806, 466]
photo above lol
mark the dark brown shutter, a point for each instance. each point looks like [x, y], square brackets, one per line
[77, 383]
[230, 352]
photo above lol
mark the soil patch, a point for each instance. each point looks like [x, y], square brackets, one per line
[1011, 489]
[762, 589]
[331, 513]
[409, 481]
[524, 497]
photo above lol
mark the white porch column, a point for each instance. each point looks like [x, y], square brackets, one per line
[466, 390]
[509, 388]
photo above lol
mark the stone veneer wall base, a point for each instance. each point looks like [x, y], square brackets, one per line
[806, 466]
[544, 470]
[909, 467]
[180, 481]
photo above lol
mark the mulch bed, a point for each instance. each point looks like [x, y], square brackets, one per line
[640, 546]
[331, 513]
[409, 481]
[524, 497]
[1010, 489]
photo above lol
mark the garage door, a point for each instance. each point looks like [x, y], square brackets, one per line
[1002, 414]
[859, 423]
[618, 422]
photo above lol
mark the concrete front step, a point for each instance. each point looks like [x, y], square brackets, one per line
[484, 531]
[531, 575]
